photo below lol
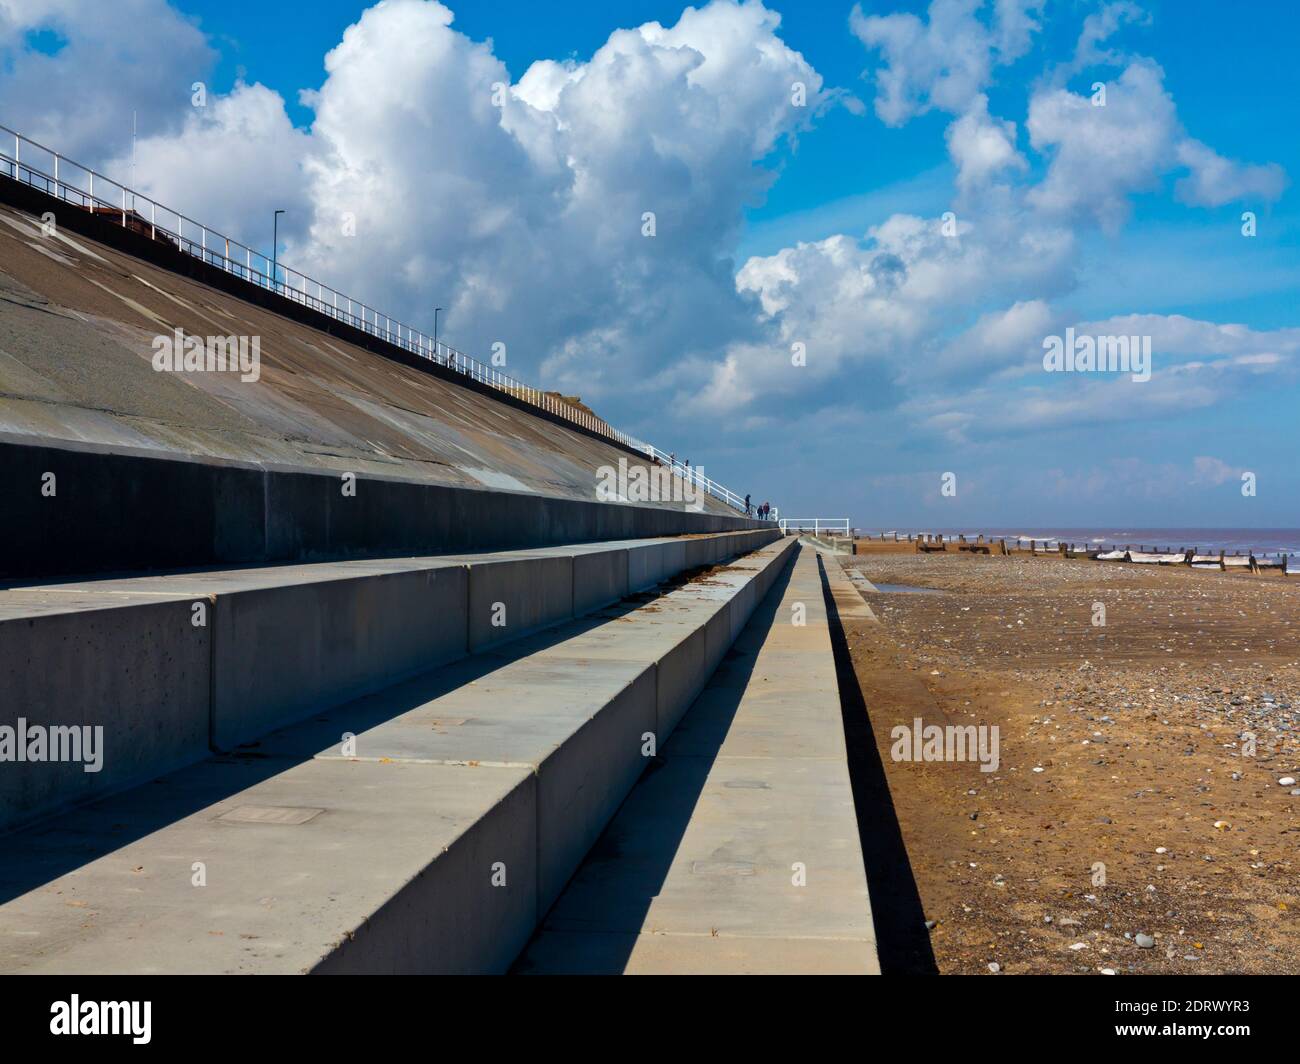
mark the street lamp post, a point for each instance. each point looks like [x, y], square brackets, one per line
[436, 312]
[275, 243]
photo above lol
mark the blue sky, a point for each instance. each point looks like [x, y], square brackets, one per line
[778, 226]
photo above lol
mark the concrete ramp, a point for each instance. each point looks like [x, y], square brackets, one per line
[739, 854]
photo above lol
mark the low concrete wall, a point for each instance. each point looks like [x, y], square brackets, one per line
[139, 671]
[512, 597]
[655, 565]
[284, 651]
[117, 510]
[682, 673]
[601, 577]
[277, 645]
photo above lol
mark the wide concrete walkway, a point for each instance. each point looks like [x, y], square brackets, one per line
[740, 853]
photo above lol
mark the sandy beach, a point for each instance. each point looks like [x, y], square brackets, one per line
[1137, 791]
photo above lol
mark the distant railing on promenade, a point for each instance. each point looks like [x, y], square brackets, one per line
[69, 181]
[815, 525]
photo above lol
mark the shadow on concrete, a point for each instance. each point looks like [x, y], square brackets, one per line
[34, 854]
[626, 868]
[902, 940]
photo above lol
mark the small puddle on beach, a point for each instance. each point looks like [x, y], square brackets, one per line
[908, 589]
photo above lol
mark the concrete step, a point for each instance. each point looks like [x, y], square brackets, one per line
[431, 843]
[171, 667]
[698, 871]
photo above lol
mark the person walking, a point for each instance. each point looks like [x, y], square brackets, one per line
[746, 505]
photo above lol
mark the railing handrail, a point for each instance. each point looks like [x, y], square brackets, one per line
[326, 300]
[817, 524]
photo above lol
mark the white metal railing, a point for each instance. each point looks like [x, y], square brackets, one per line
[815, 525]
[70, 182]
[694, 475]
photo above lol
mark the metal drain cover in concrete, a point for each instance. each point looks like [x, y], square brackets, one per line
[269, 814]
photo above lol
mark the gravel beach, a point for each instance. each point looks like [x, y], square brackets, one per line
[1144, 815]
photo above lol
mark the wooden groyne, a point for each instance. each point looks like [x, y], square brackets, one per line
[1136, 554]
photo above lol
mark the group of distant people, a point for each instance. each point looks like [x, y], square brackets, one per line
[764, 510]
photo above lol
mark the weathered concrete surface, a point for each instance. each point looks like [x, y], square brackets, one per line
[130, 668]
[78, 335]
[578, 725]
[382, 856]
[510, 596]
[650, 567]
[846, 587]
[274, 645]
[164, 470]
[118, 510]
[390, 870]
[286, 650]
[696, 873]
[600, 576]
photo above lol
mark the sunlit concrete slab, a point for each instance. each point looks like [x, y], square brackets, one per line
[658, 953]
[739, 853]
[230, 867]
